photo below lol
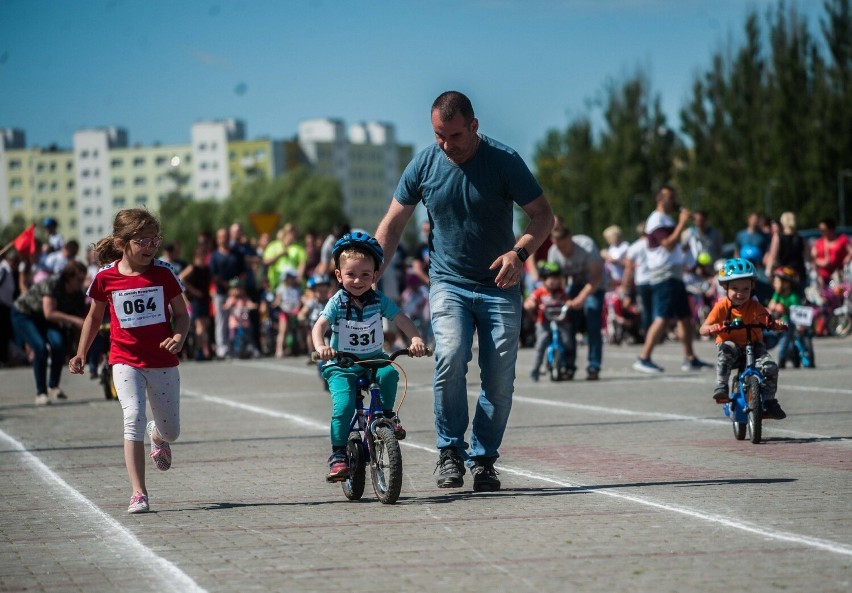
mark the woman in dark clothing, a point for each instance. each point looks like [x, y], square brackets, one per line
[788, 248]
[40, 318]
[197, 278]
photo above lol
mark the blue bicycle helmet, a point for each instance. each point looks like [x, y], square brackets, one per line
[752, 253]
[49, 221]
[318, 279]
[361, 242]
[736, 269]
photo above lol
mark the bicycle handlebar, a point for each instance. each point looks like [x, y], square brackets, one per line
[347, 359]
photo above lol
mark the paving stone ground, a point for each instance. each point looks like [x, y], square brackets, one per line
[631, 483]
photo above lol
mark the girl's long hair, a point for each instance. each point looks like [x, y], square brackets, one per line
[127, 224]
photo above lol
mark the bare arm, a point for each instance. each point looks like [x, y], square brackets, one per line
[318, 337]
[180, 315]
[417, 346]
[87, 336]
[390, 228]
[54, 315]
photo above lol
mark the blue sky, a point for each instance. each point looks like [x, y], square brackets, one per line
[156, 66]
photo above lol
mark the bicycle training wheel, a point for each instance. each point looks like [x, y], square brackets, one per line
[386, 466]
[353, 486]
[755, 409]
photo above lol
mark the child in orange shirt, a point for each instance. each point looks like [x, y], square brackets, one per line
[737, 277]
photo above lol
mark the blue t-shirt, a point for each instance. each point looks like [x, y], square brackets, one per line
[470, 207]
[361, 326]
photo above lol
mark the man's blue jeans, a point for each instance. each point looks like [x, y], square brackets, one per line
[39, 334]
[588, 320]
[495, 315]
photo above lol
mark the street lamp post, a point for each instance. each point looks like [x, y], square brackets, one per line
[841, 194]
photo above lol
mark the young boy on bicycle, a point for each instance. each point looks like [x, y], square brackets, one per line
[354, 315]
[737, 277]
[785, 282]
[550, 294]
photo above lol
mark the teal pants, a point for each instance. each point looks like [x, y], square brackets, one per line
[341, 384]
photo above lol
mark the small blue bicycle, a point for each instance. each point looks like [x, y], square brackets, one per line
[558, 353]
[746, 407]
[371, 434]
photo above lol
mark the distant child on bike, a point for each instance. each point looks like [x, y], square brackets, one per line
[354, 315]
[550, 294]
[144, 296]
[785, 282]
[738, 278]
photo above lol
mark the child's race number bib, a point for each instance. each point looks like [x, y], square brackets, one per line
[802, 316]
[139, 306]
[360, 337]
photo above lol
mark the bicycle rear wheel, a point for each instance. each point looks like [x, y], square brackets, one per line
[386, 466]
[555, 366]
[107, 382]
[353, 487]
[755, 409]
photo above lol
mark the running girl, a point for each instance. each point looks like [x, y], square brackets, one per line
[140, 290]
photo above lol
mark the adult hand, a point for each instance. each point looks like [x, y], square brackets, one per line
[511, 269]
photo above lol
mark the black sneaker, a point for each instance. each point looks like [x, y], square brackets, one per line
[451, 469]
[773, 410]
[485, 476]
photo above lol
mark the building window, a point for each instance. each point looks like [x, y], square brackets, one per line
[16, 183]
[42, 187]
[17, 203]
[54, 186]
[42, 206]
[116, 163]
[14, 164]
[55, 205]
[52, 167]
[118, 201]
[139, 161]
[137, 181]
[141, 200]
[69, 166]
[85, 173]
[84, 154]
[72, 204]
[118, 182]
[70, 184]
[161, 160]
[40, 168]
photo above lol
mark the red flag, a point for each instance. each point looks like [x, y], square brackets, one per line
[25, 242]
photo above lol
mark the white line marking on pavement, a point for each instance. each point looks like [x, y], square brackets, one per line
[169, 576]
[661, 416]
[821, 544]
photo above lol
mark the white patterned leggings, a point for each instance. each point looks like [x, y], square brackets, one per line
[160, 386]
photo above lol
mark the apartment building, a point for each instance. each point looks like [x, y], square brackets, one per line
[83, 187]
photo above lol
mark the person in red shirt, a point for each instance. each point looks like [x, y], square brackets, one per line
[830, 252]
[145, 298]
[737, 277]
[551, 293]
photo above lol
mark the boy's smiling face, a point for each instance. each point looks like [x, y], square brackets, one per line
[357, 275]
[739, 291]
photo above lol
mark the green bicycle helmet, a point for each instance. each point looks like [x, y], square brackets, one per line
[548, 269]
[737, 268]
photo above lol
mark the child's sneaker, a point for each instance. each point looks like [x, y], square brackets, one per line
[773, 409]
[720, 394]
[646, 366]
[534, 375]
[138, 503]
[162, 453]
[338, 467]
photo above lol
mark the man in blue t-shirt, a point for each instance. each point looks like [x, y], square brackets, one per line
[469, 184]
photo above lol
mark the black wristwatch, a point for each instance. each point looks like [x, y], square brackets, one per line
[523, 254]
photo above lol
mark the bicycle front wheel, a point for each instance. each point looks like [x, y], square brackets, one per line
[353, 487]
[386, 466]
[555, 368]
[755, 409]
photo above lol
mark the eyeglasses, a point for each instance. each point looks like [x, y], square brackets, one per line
[148, 242]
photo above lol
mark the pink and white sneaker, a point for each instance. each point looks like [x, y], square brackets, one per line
[162, 453]
[138, 503]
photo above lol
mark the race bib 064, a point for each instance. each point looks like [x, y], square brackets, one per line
[140, 306]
